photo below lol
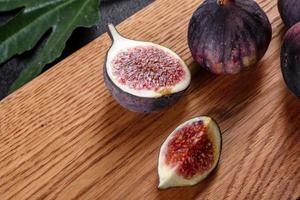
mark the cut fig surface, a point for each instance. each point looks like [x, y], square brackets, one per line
[190, 153]
[143, 76]
[147, 68]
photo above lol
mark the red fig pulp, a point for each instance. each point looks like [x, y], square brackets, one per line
[190, 153]
[147, 68]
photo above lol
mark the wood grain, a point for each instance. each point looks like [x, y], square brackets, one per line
[62, 136]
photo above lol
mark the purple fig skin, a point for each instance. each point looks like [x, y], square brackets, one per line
[228, 36]
[289, 11]
[139, 104]
[290, 59]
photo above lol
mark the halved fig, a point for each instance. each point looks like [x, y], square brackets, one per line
[290, 59]
[289, 11]
[190, 153]
[143, 76]
[228, 36]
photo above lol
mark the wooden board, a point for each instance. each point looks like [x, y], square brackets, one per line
[62, 136]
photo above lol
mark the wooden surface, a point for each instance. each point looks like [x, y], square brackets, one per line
[62, 136]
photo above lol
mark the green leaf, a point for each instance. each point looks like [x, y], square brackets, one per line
[36, 17]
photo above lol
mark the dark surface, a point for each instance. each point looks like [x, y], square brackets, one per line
[113, 11]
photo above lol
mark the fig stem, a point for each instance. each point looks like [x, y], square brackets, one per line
[113, 33]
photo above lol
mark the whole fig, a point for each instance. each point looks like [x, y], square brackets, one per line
[289, 11]
[227, 36]
[290, 59]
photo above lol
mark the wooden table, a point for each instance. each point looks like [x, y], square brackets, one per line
[62, 136]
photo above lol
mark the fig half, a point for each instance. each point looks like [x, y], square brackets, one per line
[228, 36]
[190, 153]
[143, 76]
[289, 11]
[290, 59]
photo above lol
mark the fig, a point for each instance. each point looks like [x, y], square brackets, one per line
[143, 76]
[290, 59]
[228, 36]
[190, 153]
[289, 11]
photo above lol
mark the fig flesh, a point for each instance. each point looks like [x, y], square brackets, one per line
[143, 76]
[289, 11]
[190, 153]
[290, 59]
[228, 36]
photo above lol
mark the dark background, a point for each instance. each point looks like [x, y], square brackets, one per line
[113, 11]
